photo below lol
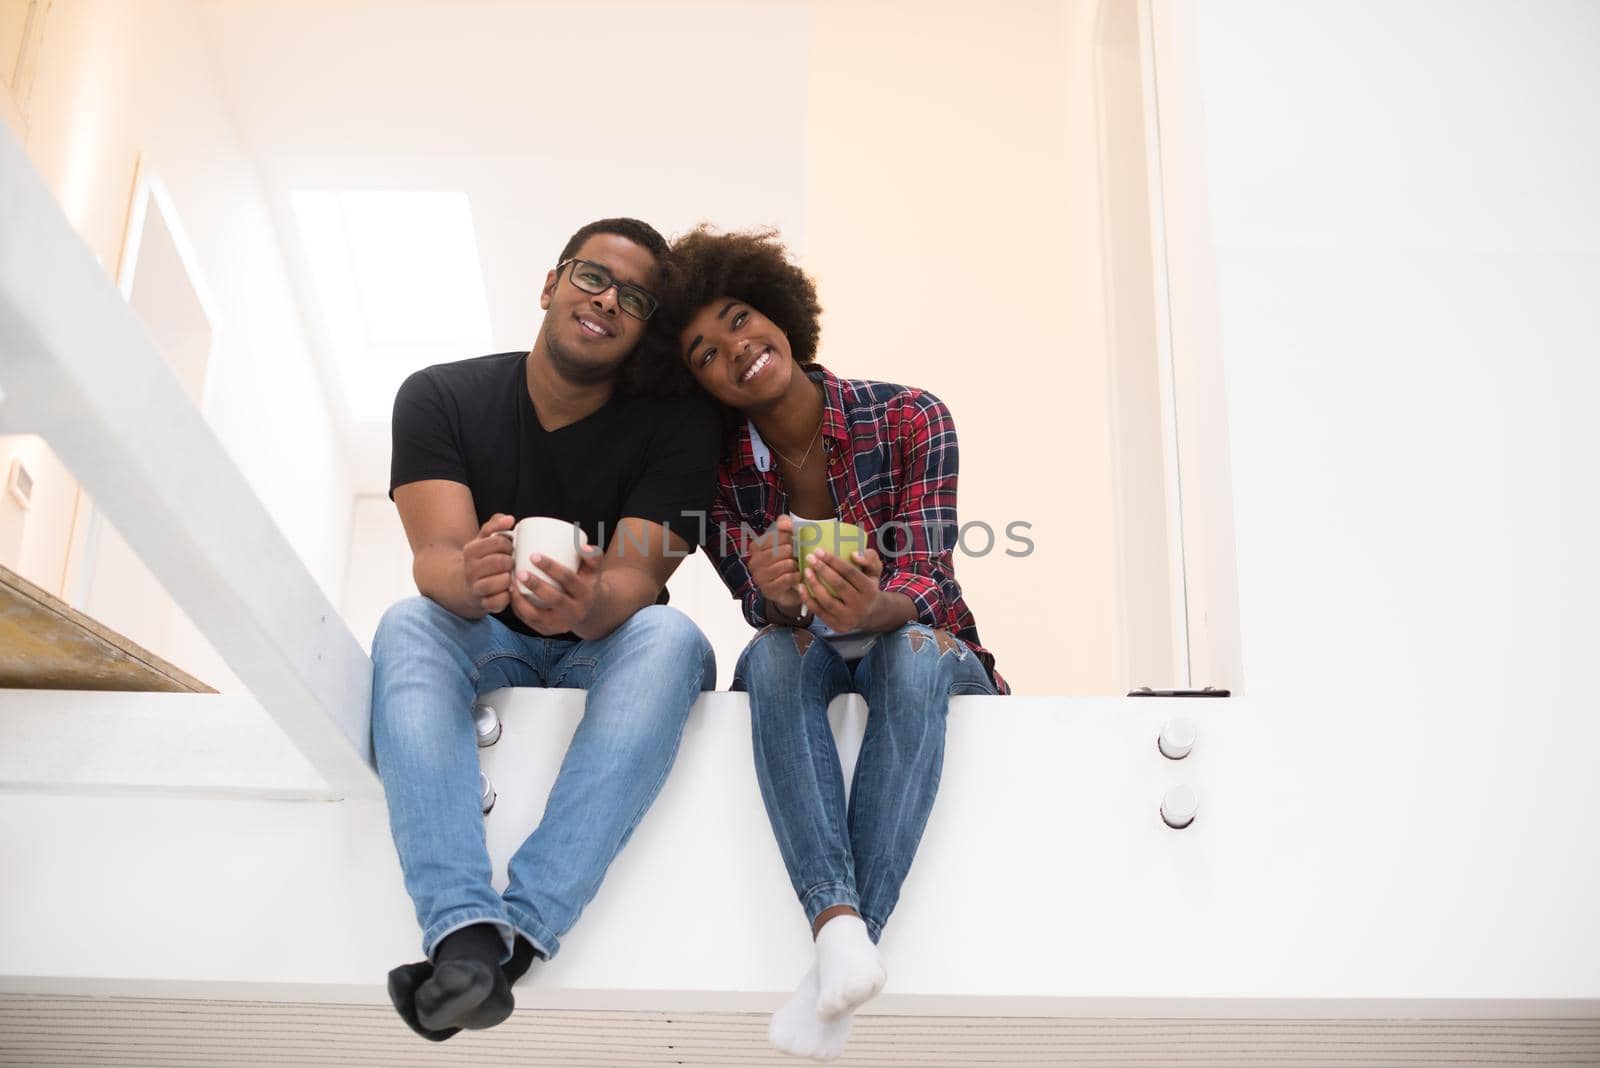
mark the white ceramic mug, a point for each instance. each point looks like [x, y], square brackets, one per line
[558, 539]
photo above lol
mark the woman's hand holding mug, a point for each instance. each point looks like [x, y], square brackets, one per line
[841, 590]
[773, 567]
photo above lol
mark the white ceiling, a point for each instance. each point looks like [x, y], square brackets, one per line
[545, 116]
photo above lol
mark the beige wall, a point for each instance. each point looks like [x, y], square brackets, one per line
[33, 540]
[945, 144]
[947, 147]
[955, 231]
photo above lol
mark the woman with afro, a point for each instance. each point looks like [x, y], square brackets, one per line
[886, 621]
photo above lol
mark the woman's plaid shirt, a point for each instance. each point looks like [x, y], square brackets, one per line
[892, 463]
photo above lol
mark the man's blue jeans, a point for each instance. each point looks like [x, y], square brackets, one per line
[860, 856]
[428, 666]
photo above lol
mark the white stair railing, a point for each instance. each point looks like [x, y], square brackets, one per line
[78, 369]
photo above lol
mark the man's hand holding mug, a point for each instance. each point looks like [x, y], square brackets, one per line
[557, 573]
[486, 560]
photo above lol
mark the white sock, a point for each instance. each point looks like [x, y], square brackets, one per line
[797, 1030]
[849, 970]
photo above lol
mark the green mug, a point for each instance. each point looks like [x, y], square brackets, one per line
[832, 536]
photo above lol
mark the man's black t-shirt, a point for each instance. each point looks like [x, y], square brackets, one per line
[636, 457]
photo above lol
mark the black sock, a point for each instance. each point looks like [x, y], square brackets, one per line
[481, 941]
[468, 988]
[522, 958]
[403, 983]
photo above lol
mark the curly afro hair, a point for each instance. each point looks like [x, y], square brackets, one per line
[751, 265]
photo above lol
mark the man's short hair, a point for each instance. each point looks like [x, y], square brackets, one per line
[650, 368]
[752, 266]
[640, 233]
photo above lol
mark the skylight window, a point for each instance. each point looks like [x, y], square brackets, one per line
[399, 284]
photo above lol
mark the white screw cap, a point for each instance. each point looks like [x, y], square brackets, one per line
[486, 794]
[486, 721]
[1178, 807]
[1177, 738]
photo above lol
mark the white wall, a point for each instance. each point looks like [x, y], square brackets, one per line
[1407, 237]
[1402, 198]
[117, 82]
[378, 572]
[350, 113]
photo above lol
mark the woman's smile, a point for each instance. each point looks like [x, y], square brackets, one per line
[758, 365]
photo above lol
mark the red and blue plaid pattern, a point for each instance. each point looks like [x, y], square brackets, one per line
[892, 463]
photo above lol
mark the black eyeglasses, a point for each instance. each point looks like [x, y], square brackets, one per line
[593, 278]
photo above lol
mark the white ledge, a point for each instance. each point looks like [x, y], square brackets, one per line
[1047, 884]
[103, 742]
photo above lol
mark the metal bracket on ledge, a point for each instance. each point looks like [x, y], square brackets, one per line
[1209, 691]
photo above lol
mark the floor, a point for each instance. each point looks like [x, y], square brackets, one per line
[77, 1031]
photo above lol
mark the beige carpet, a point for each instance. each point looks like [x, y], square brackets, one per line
[74, 1031]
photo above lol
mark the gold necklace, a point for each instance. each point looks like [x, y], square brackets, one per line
[807, 454]
[823, 418]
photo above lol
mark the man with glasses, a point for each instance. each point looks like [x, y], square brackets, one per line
[568, 429]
